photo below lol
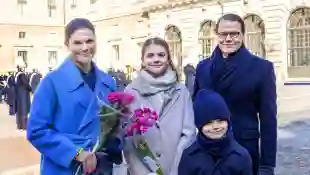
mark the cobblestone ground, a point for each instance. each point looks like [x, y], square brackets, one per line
[17, 156]
[294, 145]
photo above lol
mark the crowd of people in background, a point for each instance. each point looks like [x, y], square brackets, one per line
[16, 89]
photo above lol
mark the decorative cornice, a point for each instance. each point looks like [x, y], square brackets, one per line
[171, 5]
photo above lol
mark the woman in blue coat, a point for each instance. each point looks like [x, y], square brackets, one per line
[215, 151]
[64, 124]
[247, 83]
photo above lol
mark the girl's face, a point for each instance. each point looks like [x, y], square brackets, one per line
[155, 59]
[215, 129]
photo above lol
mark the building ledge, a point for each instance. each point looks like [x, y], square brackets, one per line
[170, 5]
[288, 83]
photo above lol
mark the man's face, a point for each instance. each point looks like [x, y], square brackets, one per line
[230, 36]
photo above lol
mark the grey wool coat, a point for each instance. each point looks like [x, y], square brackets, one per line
[175, 130]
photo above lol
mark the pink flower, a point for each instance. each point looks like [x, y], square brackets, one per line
[138, 112]
[145, 121]
[134, 127]
[146, 110]
[144, 129]
[120, 97]
[154, 115]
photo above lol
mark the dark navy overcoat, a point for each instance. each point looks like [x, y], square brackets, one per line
[11, 91]
[22, 90]
[196, 161]
[34, 81]
[189, 72]
[248, 86]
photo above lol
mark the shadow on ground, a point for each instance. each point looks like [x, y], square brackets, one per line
[294, 148]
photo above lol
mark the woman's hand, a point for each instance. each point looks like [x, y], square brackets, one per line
[88, 160]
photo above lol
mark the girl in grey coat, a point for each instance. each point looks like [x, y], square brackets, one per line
[157, 87]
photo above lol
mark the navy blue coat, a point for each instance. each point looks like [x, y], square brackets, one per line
[196, 161]
[189, 72]
[22, 90]
[248, 86]
[11, 91]
[34, 81]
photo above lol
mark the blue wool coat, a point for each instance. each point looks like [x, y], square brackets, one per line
[195, 161]
[249, 89]
[63, 116]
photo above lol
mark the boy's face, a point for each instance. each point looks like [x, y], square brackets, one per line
[215, 129]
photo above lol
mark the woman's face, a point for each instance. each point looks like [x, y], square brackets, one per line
[215, 129]
[155, 59]
[82, 45]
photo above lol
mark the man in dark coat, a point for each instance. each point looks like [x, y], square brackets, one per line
[34, 79]
[215, 151]
[11, 94]
[120, 79]
[248, 85]
[22, 90]
[2, 87]
[189, 71]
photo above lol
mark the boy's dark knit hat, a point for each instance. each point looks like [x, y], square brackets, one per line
[208, 106]
[77, 23]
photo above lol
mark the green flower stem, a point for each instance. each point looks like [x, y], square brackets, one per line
[143, 150]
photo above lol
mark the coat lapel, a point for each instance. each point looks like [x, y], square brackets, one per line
[76, 85]
[102, 89]
[175, 94]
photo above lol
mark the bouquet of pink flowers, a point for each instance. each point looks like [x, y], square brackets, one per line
[140, 122]
[112, 117]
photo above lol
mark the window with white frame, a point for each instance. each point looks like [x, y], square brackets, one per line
[52, 58]
[21, 35]
[73, 3]
[115, 52]
[93, 1]
[51, 7]
[24, 55]
[21, 4]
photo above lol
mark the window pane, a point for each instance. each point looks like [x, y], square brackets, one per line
[299, 44]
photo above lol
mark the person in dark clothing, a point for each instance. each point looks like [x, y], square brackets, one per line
[11, 94]
[215, 151]
[22, 90]
[190, 71]
[248, 85]
[34, 80]
[120, 79]
[2, 87]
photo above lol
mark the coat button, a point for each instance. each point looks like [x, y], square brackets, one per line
[157, 125]
[158, 155]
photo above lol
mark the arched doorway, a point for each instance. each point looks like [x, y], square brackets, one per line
[174, 39]
[298, 32]
[206, 39]
[255, 35]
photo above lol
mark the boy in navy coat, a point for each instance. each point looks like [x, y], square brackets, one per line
[215, 151]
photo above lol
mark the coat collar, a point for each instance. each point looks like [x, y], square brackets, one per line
[74, 79]
[225, 71]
